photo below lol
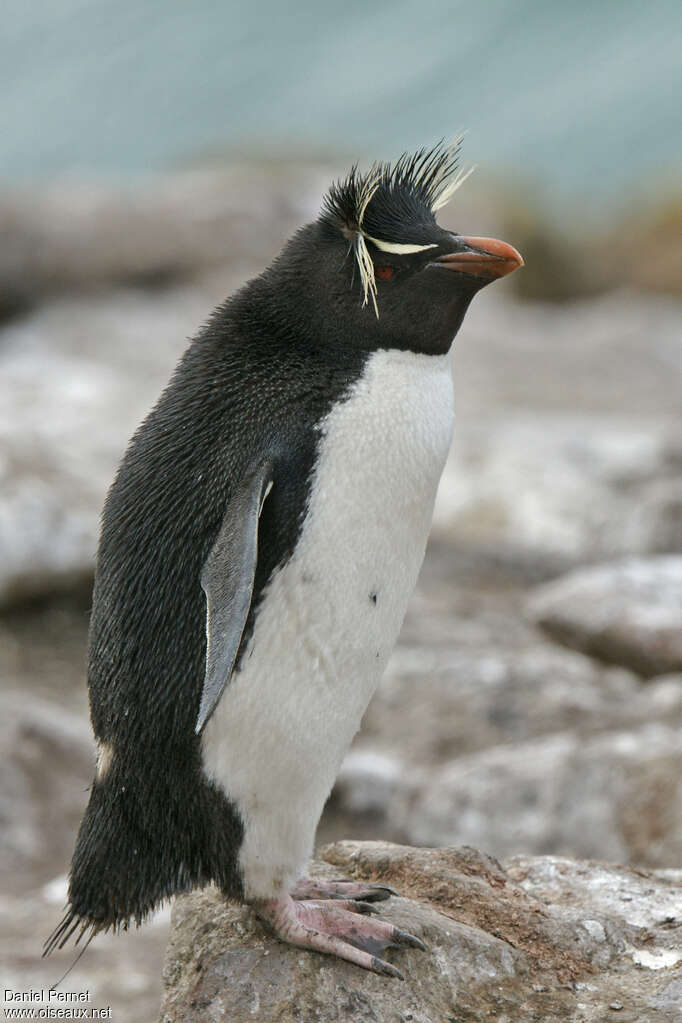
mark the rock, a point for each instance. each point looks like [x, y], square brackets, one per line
[655, 524]
[367, 781]
[615, 796]
[559, 487]
[627, 612]
[425, 786]
[48, 761]
[83, 237]
[542, 938]
[76, 378]
[548, 461]
[439, 703]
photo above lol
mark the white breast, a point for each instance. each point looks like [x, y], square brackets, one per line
[331, 615]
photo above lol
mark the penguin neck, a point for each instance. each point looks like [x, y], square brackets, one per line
[275, 311]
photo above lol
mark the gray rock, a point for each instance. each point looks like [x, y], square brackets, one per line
[76, 377]
[655, 524]
[559, 486]
[627, 612]
[548, 460]
[438, 703]
[67, 238]
[542, 939]
[368, 781]
[616, 796]
[47, 766]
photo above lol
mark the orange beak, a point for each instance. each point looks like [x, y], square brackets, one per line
[483, 257]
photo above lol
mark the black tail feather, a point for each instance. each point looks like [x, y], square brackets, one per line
[65, 929]
[53, 987]
[143, 840]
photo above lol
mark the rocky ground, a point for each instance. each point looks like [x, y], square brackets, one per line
[538, 938]
[534, 704]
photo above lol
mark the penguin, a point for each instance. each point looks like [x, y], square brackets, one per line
[258, 549]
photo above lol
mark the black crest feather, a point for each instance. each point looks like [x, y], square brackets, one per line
[382, 200]
[424, 179]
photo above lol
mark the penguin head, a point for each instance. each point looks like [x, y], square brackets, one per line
[391, 276]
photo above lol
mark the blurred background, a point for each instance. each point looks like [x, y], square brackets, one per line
[153, 156]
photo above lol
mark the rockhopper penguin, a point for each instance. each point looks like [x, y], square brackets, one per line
[258, 549]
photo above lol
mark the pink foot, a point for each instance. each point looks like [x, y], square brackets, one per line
[318, 888]
[338, 928]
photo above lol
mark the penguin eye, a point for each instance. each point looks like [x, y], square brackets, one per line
[384, 273]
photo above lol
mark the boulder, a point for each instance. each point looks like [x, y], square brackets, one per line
[80, 237]
[548, 460]
[438, 703]
[76, 378]
[536, 939]
[616, 796]
[48, 764]
[654, 525]
[555, 486]
[626, 612]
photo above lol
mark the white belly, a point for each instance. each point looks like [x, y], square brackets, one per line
[330, 617]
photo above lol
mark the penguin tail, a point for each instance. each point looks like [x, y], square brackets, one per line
[65, 929]
[143, 840]
[108, 884]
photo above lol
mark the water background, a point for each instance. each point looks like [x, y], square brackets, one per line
[579, 100]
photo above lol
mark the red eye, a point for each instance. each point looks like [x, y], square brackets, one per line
[384, 273]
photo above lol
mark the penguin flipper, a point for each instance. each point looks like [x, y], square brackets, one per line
[227, 580]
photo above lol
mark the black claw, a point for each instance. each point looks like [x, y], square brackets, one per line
[378, 893]
[386, 969]
[409, 940]
[364, 908]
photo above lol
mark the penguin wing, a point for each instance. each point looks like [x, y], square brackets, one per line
[227, 580]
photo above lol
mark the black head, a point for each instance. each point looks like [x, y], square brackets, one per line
[381, 269]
